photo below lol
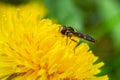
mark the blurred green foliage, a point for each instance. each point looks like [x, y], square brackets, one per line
[65, 12]
[15, 2]
[99, 18]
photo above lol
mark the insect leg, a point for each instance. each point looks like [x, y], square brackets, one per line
[77, 45]
[73, 39]
[67, 40]
[69, 34]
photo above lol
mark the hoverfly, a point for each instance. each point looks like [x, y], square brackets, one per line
[69, 32]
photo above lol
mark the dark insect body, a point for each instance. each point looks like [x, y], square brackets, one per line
[69, 32]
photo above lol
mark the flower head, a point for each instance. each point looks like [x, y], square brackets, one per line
[34, 49]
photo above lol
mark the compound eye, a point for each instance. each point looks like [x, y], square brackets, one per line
[63, 29]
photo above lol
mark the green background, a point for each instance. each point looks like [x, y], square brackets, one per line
[98, 18]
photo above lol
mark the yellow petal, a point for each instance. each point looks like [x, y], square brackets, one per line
[32, 48]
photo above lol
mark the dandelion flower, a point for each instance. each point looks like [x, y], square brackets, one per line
[33, 49]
